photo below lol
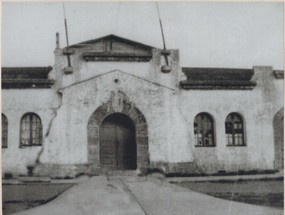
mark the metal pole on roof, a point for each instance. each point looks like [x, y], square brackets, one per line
[66, 34]
[162, 34]
[65, 24]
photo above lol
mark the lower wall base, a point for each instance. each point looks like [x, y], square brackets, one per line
[75, 170]
[192, 169]
[60, 171]
[168, 169]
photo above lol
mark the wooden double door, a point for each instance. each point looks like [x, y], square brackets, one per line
[118, 143]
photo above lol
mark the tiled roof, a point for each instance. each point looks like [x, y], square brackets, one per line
[217, 78]
[26, 77]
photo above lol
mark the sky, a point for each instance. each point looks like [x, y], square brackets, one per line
[207, 34]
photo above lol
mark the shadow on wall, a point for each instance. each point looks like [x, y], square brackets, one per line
[278, 127]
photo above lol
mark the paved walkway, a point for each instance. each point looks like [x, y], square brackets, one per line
[135, 196]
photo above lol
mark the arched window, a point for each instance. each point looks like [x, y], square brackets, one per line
[204, 130]
[31, 130]
[4, 131]
[235, 130]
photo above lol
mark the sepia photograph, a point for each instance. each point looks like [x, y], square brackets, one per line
[142, 108]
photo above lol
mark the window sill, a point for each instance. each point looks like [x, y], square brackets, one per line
[26, 146]
[204, 146]
[4, 147]
[235, 145]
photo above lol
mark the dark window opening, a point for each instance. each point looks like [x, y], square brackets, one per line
[31, 130]
[204, 130]
[234, 130]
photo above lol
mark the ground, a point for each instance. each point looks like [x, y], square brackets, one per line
[18, 197]
[144, 195]
[262, 192]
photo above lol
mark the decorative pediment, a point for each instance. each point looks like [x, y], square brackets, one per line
[114, 48]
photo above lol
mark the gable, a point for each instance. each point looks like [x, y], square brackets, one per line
[114, 48]
[118, 73]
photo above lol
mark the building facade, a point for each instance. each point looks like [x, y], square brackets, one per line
[114, 104]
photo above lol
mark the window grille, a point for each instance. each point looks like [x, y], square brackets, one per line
[234, 130]
[31, 130]
[204, 130]
[4, 131]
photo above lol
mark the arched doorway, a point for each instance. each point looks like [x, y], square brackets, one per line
[118, 104]
[118, 143]
[278, 127]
